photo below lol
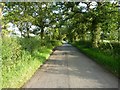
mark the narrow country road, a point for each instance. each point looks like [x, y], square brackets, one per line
[68, 68]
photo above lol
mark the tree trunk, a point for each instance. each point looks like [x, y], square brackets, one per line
[20, 32]
[1, 6]
[84, 36]
[42, 33]
[96, 35]
[28, 32]
[0, 16]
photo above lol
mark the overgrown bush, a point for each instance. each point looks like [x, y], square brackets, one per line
[55, 42]
[21, 57]
[111, 47]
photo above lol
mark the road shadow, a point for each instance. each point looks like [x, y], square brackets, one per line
[69, 63]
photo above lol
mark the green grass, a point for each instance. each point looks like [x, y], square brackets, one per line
[107, 60]
[21, 57]
[19, 73]
[0, 62]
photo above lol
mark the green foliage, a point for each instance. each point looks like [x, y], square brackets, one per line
[21, 57]
[55, 42]
[107, 60]
[111, 47]
[61, 20]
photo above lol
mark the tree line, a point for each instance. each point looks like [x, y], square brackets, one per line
[95, 21]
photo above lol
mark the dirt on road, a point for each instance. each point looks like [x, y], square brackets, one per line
[68, 68]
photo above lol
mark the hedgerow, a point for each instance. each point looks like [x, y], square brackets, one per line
[21, 57]
[104, 57]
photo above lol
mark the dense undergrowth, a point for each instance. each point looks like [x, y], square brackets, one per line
[103, 55]
[21, 57]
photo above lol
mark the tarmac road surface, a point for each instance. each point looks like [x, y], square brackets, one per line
[69, 68]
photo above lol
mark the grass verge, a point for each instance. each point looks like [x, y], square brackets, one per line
[108, 61]
[21, 57]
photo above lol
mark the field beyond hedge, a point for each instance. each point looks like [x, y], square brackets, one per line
[21, 57]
